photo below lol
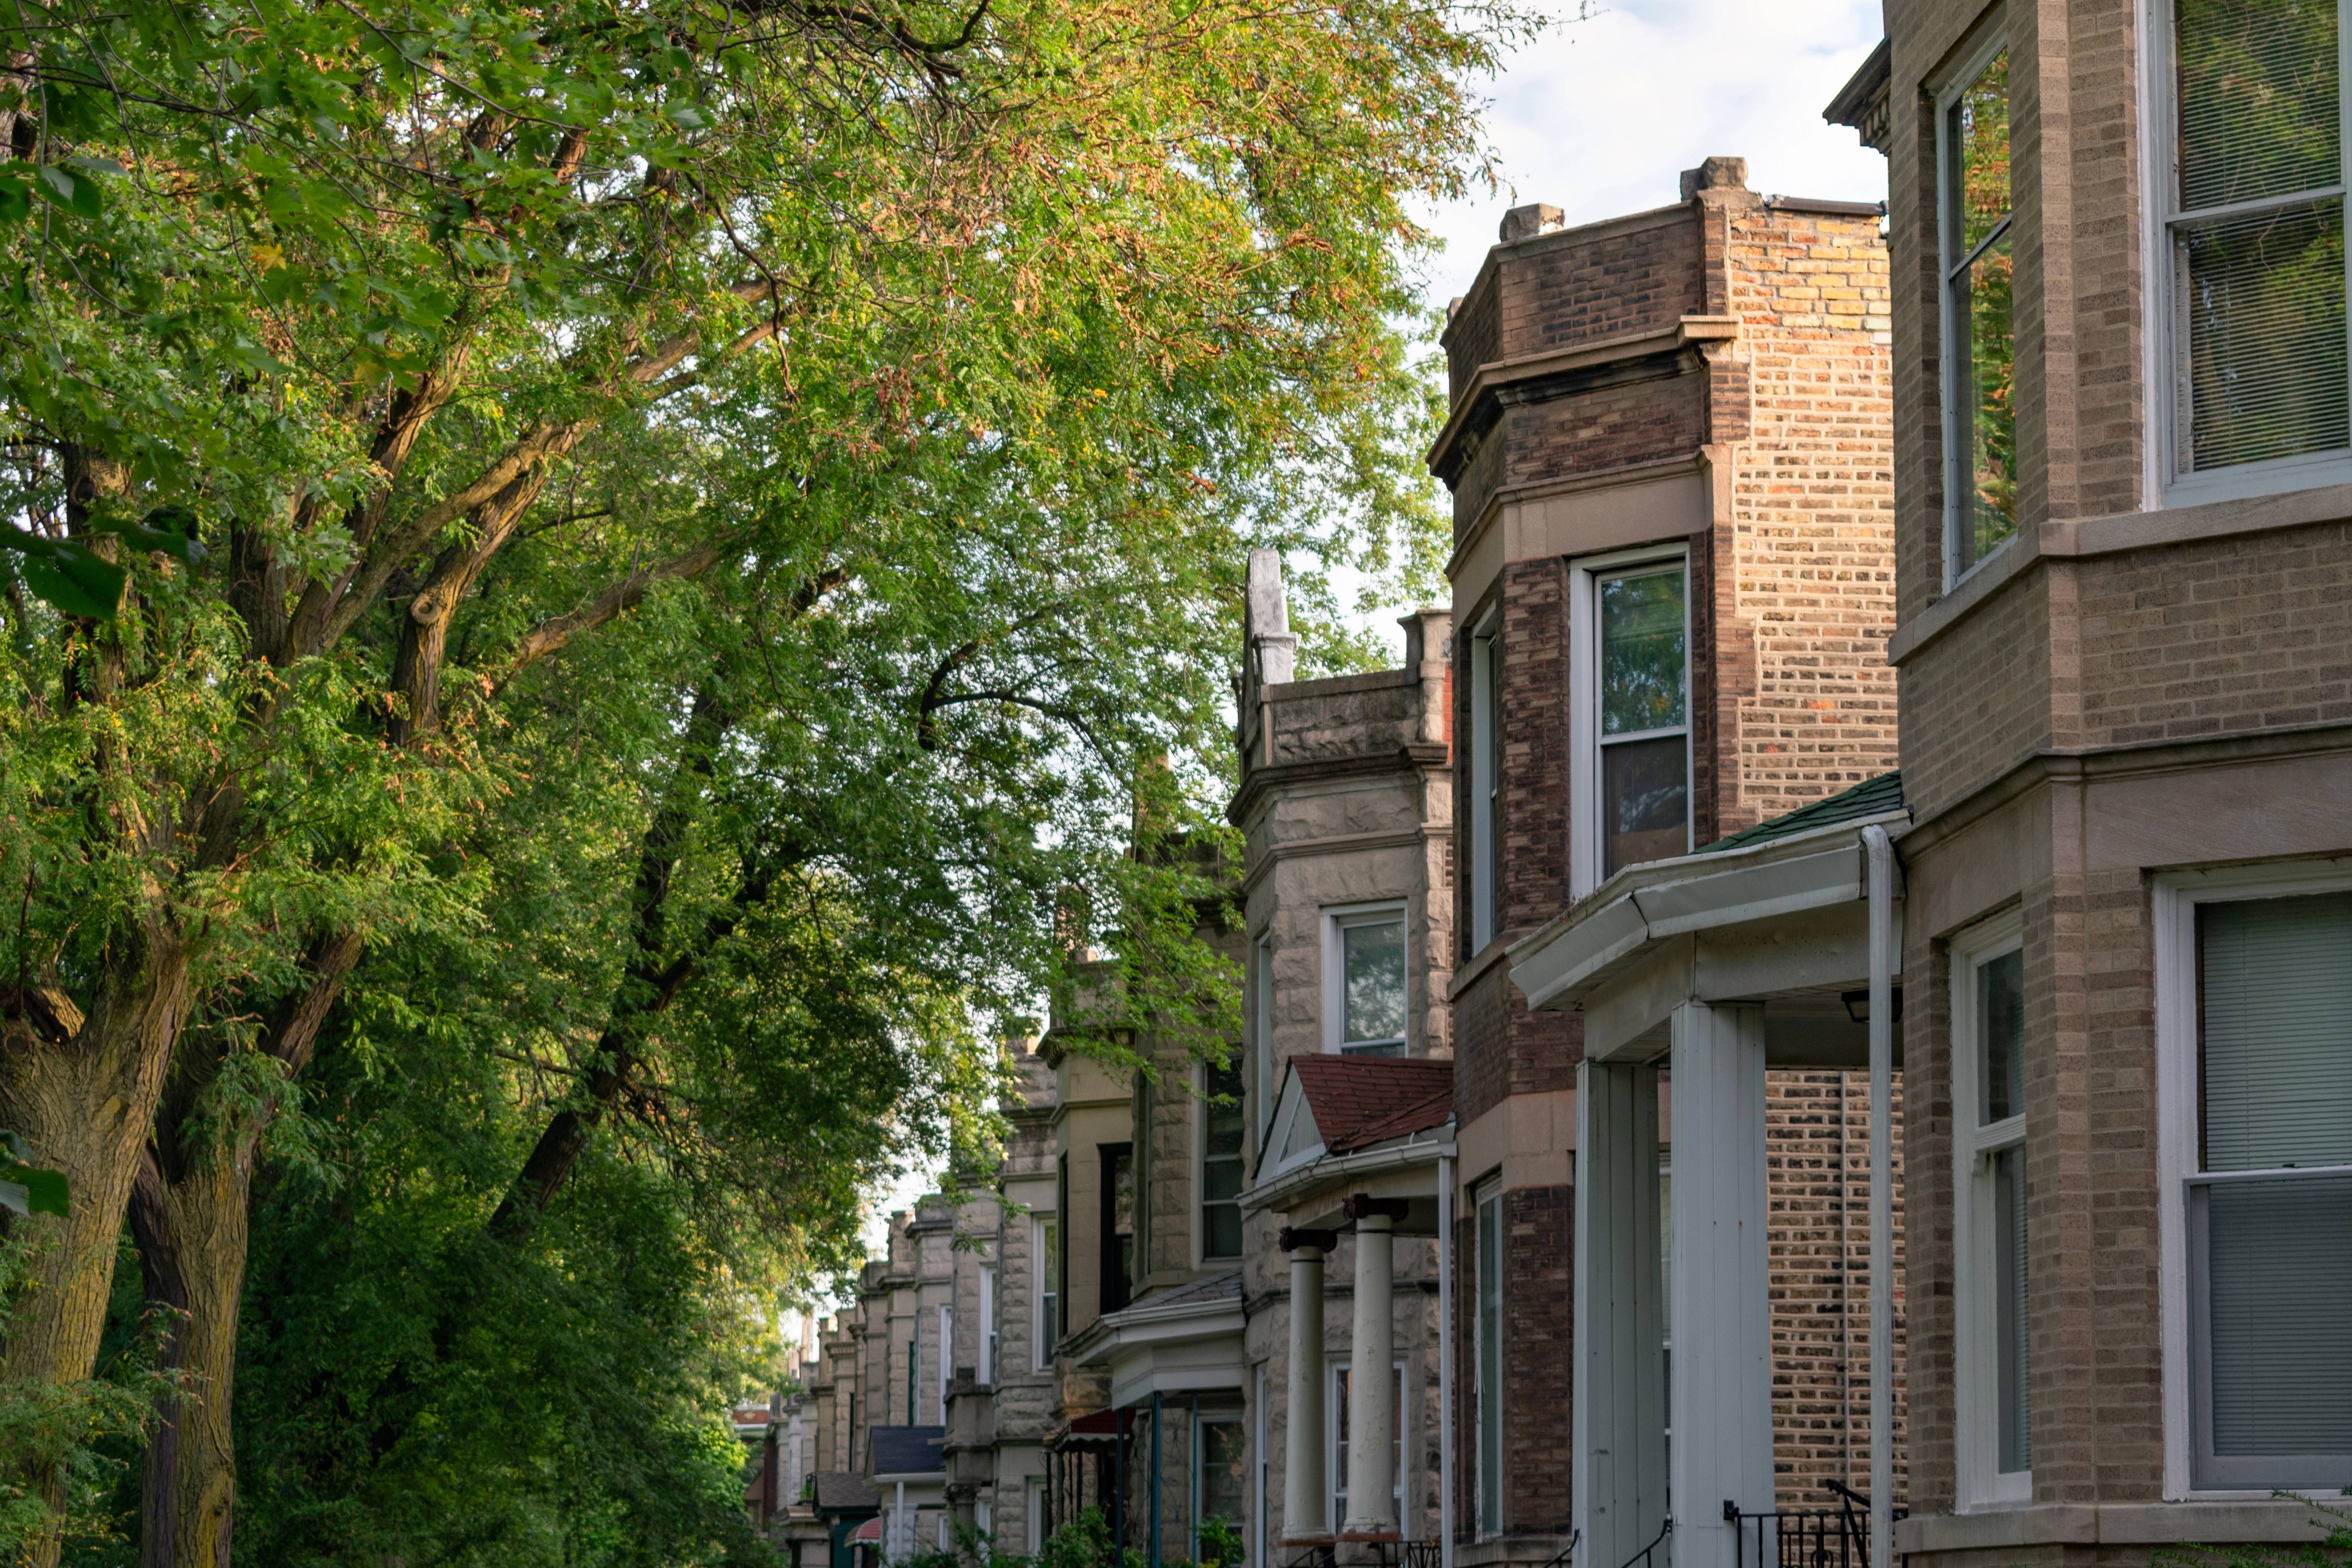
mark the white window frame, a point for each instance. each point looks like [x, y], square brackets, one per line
[2166, 482]
[1486, 780]
[987, 1368]
[1201, 1424]
[1976, 1394]
[1033, 1528]
[1261, 1030]
[1484, 1398]
[2175, 896]
[1959, 453]
[1587, 848]
[947, 1357]
[1203, 1111]
[1336, 918]
[1043, 1296]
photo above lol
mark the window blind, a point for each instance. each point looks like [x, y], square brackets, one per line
[2277, 1032]
[2258, 241]
[2279, 1293]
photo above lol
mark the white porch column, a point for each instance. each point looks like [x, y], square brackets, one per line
[1372, 1354]
[1303, 1485]
[1617, 1397]
[1720, 1309]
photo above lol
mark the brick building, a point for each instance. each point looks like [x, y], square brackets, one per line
[1669, 455]
[2124, 553]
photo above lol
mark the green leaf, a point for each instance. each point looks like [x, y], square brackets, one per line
[16, 201]
[73, 579]
[70, 191]
[29, 1190]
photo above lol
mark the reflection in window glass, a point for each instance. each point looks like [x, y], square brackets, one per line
[1221, 1164]
[1224, 1468]
[1644, 708]
[1980, 359]
[2001, 1077]
[1372, 987]
[2260, 293]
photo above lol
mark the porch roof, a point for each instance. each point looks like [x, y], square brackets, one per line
[1775, 914]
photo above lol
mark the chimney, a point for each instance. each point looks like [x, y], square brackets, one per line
[1527, 222]
[1716, 173]
[1272, 648]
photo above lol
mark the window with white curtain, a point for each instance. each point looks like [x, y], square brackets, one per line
[1991, 1272]
[2251, 260]
[1979, 316]
[2266, 1191]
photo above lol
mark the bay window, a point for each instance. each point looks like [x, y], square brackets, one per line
[2252, 268]
[1978, 317]
[1991, 1239]
[2254, 1028]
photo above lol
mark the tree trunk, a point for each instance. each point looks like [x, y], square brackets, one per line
[190, 1212]
[84, 1092]
[192, 1238]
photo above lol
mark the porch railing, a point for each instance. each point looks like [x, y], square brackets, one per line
[1835, 1536]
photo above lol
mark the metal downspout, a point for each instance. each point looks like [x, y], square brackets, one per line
[1445, 1362]
[1881, 885]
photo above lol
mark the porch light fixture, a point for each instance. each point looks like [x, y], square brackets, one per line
[1857, 1004]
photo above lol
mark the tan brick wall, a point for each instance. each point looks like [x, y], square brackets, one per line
[2215, 637]
[1813, 502]
[1817, 1166]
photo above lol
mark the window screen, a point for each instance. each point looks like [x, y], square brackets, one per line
[2271, 1208]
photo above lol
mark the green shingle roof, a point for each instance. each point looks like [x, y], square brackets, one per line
[1872, 797]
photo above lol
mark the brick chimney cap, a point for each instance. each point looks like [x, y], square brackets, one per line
[1716, 173]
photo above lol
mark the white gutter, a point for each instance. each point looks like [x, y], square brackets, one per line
[1578, 948]
[1413, 1152]
[1446, 1361]
[1880, 855]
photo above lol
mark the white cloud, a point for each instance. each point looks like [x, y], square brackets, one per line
[1599, 117]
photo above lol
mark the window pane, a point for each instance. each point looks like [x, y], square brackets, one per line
[1642, 652]
[1645, 800]
[2277, 1032]
[1373, 974]
[1985, 350]
[2000, 1063]
[2279, 1292]
[2011, 1324]
[1979, 150]
[2262, 301]
[2258, 100]
[1490, 1366]
[1224, 1468]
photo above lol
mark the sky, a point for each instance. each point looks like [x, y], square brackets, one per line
[1599, 117]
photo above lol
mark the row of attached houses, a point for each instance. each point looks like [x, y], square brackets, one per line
[1812, 1016]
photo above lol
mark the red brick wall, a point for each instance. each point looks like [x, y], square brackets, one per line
[1539, 1344]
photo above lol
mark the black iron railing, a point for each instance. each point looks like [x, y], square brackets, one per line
[1567, 1554]
[1806, 1537]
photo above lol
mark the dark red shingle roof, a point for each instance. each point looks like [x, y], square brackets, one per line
[1358, 1101]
